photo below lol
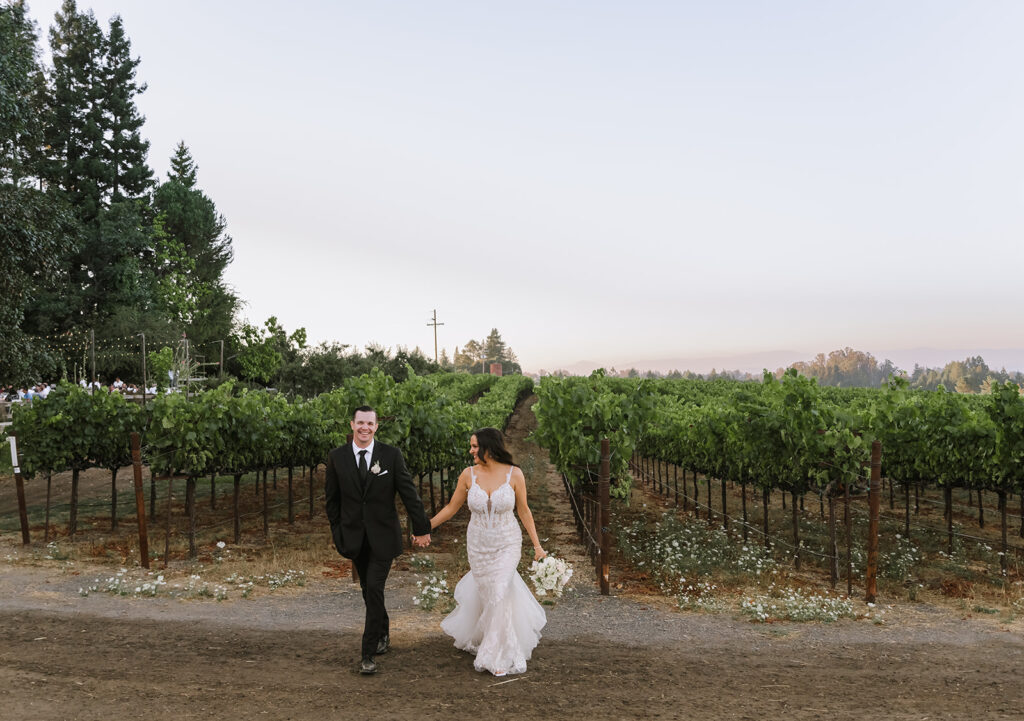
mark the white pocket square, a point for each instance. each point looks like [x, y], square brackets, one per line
[382, 473]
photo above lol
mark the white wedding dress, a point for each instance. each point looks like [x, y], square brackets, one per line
[496, 616]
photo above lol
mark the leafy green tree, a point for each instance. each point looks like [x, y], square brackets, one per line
[21, 81]
[262, 352]
[191, 246]
[159, 364]
[36, 230]
[191, 218]
[176, 291]
[469, 360]
[847, 368]
[321, 369]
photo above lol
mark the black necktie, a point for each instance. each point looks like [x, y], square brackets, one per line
[362, 467]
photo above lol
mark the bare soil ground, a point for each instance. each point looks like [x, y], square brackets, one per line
[292, 654]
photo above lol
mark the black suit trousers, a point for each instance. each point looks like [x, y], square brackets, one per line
[373, 574]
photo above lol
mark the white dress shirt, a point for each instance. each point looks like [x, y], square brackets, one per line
[369, 453]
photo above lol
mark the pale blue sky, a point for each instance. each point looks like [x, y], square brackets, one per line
[605, 181]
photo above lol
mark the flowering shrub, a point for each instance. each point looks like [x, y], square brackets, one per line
[150, 584]
[898, 564]
[698, 595]
[140, 585]
[272, 581]
[678, 551]
[793, 604]
[431, 591]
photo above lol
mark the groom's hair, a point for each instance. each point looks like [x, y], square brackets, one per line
[364, 409]
[490, 444]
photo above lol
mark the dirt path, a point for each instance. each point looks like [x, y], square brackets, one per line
[292, 654]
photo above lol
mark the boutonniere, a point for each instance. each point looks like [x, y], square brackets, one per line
[375, 468]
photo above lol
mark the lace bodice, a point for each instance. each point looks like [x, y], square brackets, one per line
[495, 508]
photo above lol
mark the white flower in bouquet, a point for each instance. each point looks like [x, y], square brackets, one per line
[549, 575]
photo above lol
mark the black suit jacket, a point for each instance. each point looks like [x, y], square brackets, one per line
[369, 514]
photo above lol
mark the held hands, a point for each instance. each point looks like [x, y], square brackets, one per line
[539, 553]
[421, 541]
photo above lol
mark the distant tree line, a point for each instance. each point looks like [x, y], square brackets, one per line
[851, 368]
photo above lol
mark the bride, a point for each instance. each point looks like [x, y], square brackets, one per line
[496, 616]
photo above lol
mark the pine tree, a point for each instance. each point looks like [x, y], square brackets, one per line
[190, 222]
[74, 122]
[183, 167]
[129, 175]
[191, 218]
[20, 82]
[497, 351]
[494, 347]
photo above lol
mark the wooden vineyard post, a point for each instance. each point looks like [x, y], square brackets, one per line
[725, 513]
[167, 525]
[19, 483]
[833, 548]
[266, 516]
[190, 509]
[433, 502]
[311, 492]
[604, 497]
[949, 517]
[234, 506]
[871, 580]
[291, 499]
[140, 500]
[46, 521]
[1003, 503]
[848, 522]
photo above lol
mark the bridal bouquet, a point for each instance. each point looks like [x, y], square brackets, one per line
[549, 575]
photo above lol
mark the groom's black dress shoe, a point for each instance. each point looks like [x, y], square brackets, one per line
[384, 645]
[367, 666]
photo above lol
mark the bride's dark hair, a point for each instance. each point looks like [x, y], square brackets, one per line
[491, 446]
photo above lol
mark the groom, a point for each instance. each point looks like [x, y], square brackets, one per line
[361, 481]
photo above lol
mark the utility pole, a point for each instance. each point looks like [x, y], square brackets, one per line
[435, 324]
